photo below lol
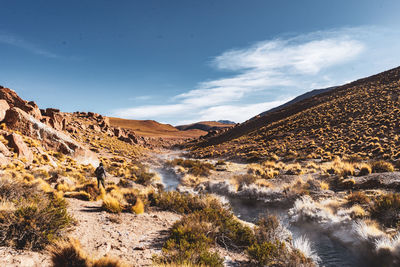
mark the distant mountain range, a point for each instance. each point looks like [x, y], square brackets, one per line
[226, 122]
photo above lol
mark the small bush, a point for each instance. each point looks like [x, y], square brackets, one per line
[245, 179]
[268, 253]
[386, 209]
[111, 204]
[70, 254]
[196, 167]
[270, 247]
[324, 186]
[358, 197]
[195, 234]
[183, 203]
[382, 166]
[138, 208]
[365, 169]
[294, 169]
[36, 221]
[67, 254]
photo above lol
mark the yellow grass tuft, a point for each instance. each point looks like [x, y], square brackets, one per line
[324, 186]
[365, 169]
[68, 253]
[138, 208]
[111, 204]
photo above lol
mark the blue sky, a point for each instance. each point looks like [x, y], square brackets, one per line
[185, 61]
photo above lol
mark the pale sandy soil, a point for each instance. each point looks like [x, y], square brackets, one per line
[132, 238]
[129, 237]
[21, 258]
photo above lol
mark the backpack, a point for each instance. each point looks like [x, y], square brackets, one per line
[100, 172]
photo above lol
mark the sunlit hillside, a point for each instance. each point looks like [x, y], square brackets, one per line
[359, 119]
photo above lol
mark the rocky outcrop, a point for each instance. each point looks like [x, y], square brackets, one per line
[4, 150]
[4, 106]
[14, 100]
[16, 142]
[54, 118]
[17, 119]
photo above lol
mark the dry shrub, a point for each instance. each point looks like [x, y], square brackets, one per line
[111, 204]
[386, 209]
[191, 180]
[182, 203]
[195, 234]
[347, 183]
[196, 167]
[365, 169]
[341, 168]
[357, 212]
[324, 186]
[358, 197]
[108, 262]
[382, 166]
[70, 254]
[244, 179]
[255, 169]
[91, 188]
[119, 200]
[67, 254]
[294, 169]
[37, 218]
[269, 249]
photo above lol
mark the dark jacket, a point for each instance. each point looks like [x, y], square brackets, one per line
[100, 172]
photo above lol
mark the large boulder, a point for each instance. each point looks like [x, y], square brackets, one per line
[4, 150]
[19, 120]
[4, 160]
[15, 141]
[14, 100]
[4, 106]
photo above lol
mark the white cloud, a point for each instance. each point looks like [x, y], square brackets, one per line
[238, 112]
[264, 67]
[150, 111]
[19, 42]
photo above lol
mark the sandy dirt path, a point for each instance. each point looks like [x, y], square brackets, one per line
[130, 237]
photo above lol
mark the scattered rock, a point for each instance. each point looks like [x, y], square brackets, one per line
[4, 160]
[4, 150]
[15, 141]
[3, 108]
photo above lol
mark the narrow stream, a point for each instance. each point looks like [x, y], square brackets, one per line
[332, 252]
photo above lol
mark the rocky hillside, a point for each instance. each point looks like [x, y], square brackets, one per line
[359, 119]
[28, 132]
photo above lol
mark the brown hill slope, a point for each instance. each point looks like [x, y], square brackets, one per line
[360, 118]
[205, 126]
[150, 128]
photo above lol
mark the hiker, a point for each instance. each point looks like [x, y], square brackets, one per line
[100, 174]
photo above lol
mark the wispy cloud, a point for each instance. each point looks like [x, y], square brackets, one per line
[280, 66]
[141, 98]
[16, 41]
